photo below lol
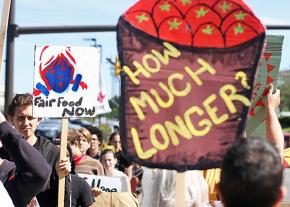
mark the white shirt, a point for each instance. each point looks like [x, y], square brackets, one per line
[5, 199]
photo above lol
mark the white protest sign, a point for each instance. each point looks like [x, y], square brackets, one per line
[102, 106]
[105, 183]
[66, 81]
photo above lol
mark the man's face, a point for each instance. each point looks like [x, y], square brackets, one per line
[24, 122]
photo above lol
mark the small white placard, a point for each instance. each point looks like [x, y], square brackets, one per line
[66, 81]
[105, 183]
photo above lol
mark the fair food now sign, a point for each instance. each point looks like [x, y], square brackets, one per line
[66, 81]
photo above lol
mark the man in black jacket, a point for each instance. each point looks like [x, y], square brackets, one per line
[28, 174]
[19, 112]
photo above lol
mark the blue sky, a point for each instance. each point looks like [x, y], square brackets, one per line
[99, 12]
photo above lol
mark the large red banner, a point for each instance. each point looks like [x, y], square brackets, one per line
[188, 73]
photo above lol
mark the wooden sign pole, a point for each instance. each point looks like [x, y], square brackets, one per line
[63, 148]
[180, 189]
[4, 24]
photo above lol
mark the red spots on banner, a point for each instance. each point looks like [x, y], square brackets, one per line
[260, 103]
[252, 111]
[265, 92]
[270, 68]
[267, 56]
[269, 79]
[101, 97]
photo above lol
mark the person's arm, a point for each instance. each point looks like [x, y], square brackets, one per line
[86, 196]
[274, 131]
[129, 171]
[32, 169]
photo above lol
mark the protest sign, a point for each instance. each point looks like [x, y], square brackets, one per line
[188, 69]
[4, 24]
[66, 84]
[267, 74]
[66, 81]
[102, 106]
[105, 183]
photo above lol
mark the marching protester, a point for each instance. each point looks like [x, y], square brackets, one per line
[123, 164]
[96, 142]
[19, 113]
[83, 163]
[28, 174]
[109, 161]
[78, 193]
[132, 170]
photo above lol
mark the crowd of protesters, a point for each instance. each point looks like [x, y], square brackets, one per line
[251, 173]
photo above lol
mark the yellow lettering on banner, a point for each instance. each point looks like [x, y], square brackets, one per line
[149, 68]
[139, 70]
[203, 123]
[155, 57]
[232, 96]
[212, 110]
[178, 76]
[140, 153]
[162, 131]
[179, 128]
[144, 99]
[158, 99]
[205, 67]
[169, 51]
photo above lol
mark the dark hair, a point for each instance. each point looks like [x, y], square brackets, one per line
[18, 101]
[112, 136]
[251, 174]
[116, 128]
[97, 131]
[57, 141]
[73, 166]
